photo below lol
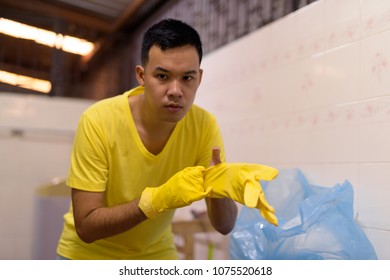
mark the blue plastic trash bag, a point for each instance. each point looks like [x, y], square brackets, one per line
[315, 223]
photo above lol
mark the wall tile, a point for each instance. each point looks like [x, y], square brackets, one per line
[280, 99]
[375, 65]
[380, 241]
[341, 74]
[283, 41]
[330, 174]
[310, 83]
[374, 195]
[342, 21]
[332, 145]
[374, 146]
[375, 17]
[311, 19]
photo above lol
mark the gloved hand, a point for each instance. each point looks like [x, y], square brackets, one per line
[240, 182]
[180, 190]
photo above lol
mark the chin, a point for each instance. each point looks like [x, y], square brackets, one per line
[174, 119]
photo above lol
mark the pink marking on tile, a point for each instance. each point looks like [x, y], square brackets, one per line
[351, 32]
[314, 120]
[380, 65]
[350, 115]
[370, 24]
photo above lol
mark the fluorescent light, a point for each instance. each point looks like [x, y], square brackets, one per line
[77, 46]
[45, 37]
[25, 82]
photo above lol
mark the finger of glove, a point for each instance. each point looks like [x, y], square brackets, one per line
[197, 169]
[269, 216]
[264, 203]
[194, 172]
[193, 177]
[263, 172]
[252, 191]
[193, 191]
[196, 184]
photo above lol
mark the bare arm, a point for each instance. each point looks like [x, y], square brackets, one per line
[94, 221]
[222, 212]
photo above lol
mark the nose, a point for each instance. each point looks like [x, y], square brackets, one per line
[174, 89]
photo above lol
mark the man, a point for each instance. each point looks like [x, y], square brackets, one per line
[138, 156]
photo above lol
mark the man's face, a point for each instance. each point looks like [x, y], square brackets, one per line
[171, 79]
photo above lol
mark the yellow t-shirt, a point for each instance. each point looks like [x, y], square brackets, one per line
[109, 156]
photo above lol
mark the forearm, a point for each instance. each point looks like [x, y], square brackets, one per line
[104, 222]
[222, 213]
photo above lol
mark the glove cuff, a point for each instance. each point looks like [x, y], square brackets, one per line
[145, 203]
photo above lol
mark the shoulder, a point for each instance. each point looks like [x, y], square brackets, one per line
[200, 120]
[198, 113]
[114, 103]
[108, 108]
[105, 103]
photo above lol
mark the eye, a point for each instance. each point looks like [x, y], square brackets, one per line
[188, 78]
[161, 76]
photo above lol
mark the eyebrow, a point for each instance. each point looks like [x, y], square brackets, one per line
[158, 68]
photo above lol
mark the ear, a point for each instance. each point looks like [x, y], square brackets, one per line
[140, 75]
[200, 75]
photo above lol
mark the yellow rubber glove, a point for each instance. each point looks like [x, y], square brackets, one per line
[180, 190]
[241, 182]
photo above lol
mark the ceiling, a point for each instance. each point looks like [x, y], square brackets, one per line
[98, 21]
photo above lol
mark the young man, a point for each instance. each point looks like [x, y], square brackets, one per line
[140, 155]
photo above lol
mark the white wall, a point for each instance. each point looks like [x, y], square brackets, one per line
[36, 134]
[312, 91]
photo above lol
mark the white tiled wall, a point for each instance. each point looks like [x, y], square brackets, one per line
[38, 152]
[312, 91]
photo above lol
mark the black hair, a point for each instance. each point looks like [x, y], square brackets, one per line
[170, 33]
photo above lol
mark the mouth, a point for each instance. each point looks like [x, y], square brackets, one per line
[174, 107]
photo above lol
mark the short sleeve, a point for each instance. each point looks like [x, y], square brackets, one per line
[89, 168]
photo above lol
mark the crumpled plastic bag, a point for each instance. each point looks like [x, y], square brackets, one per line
[315, 223]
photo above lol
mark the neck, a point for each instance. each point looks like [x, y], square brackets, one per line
[153, 133]
[143, 117]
